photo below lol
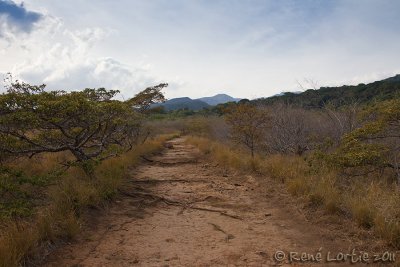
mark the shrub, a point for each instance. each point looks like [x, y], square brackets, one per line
[371, 205]
[67, 197]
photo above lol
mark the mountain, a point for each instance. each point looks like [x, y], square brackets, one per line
[218, 99]
[339, 96]
[182, 103]
[196, 104]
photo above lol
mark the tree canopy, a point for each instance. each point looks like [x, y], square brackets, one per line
[86, 123]
[248, 124]
[339, 96]
[376, 144]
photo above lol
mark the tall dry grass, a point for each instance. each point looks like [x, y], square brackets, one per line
[67, 199]
[373, 205]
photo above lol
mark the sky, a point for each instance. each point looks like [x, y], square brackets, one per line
[245, 48]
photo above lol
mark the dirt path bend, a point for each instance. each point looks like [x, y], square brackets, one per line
[181, 210]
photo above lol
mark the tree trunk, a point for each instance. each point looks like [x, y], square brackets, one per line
[85, 162]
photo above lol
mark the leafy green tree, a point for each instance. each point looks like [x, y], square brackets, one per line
[377, 143]
[86, 123]
[149, 96]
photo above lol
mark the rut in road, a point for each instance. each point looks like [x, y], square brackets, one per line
[179, 209]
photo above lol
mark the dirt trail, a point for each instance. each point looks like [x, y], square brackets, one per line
[182, 210]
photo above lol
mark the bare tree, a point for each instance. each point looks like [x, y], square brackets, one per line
[248, 124]
[289, 131]
[343, 120]
[308, 83]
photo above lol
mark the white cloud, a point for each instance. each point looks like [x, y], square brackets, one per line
[246, 49]
[63, 59]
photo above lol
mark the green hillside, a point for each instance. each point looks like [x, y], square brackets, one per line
[338, 96]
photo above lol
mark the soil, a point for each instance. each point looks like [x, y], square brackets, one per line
[181, 209]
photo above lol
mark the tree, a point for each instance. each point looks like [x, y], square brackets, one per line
[376, 144]
[248, 124]
[87, 123]
[290, 131]
[343, 119]
[151, 95]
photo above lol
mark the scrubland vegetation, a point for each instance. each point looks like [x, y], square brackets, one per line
[343, 160]
[40, 211]
[62, 155]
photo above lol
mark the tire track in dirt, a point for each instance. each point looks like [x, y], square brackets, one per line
[181, 210]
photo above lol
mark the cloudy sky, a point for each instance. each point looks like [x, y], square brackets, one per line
[200, 47]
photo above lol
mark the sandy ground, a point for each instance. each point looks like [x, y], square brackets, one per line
[182, 210]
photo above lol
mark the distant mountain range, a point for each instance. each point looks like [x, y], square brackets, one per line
[196, 104]
[218, 99]
[311, 98]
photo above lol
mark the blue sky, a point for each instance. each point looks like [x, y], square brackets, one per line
[17, 16]
[243, 48]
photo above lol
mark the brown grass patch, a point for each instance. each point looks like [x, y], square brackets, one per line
[67, 198]
[371, 205]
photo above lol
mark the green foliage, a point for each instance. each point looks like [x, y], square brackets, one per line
[86, 123]
[375, 144]
[339, 96]
[151, 95]
[222, 109]
[89, 124]
[357, 154]
[159, 113]
[58, 213]
[19, 191]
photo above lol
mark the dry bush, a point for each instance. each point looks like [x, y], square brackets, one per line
[342, 120]
[160, 127]
[15, 243]
[373, 205]
[41, 163]
[218, 129]
[213, 127]
[295, 130]
[226, 156]
[284, 167]
[248, 124]
[325, 192]
[196, 125]
[376, 206]
[316, 188]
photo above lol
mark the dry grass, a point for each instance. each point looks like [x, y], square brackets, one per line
[226, 156]
[371, 205]
[376, 206]
[41, 163]
[74, 192]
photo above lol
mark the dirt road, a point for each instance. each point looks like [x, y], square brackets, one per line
[182, 210]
